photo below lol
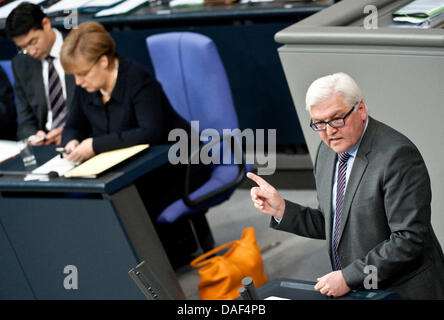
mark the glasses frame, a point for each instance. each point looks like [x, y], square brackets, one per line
[33, 43]
[314, 125]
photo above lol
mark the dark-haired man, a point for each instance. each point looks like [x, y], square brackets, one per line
[43, 90]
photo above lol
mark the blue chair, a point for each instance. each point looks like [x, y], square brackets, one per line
[7, 67]
[193, 77]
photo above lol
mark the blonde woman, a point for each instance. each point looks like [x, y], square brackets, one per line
[116, 103]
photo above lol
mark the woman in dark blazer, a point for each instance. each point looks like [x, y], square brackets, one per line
[117, 104]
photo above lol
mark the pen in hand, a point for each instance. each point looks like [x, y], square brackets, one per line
[62, 150]
[34, 139]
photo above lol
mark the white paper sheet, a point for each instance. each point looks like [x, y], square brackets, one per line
[275, 298]
[65, 5]
[8, 149]
[57, 164]
[70, 5]
[121, 8]
[425, 7]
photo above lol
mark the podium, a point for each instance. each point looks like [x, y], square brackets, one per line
[78, 238]
[304, 290]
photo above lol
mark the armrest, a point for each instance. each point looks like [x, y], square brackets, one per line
[225, 188]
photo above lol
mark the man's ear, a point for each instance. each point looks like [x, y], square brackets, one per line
[362, 109]
[46, 23]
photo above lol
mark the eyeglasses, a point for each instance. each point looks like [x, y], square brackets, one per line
[334, 123]
[32, 43]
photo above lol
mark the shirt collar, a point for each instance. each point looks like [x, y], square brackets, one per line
[354, 149]
[57, 46]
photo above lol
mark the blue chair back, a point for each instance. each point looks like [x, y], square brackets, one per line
[7, 67]
[190, 70]
[193, 77]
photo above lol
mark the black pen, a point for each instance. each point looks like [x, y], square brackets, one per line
[61, 150]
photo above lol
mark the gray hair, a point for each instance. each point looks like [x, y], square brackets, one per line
[327, 86]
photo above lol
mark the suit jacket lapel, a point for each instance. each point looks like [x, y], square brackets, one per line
[39, 89]
[327, 187]
[359, 167]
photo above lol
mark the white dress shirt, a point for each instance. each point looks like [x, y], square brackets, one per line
[55, 52]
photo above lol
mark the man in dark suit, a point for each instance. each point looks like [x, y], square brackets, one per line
[43, 90]
[374, 200]
[8, 125]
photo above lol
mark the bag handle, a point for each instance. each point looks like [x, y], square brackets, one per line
[200, 261]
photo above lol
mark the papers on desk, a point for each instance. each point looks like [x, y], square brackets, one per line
[275, 298]
[7, 8]
[63, 5]
[186, 3]
[8, 150]
[56, 164]
[103, 161]
[255, 1]
[426, 13]
[81, 5]
[121, 8]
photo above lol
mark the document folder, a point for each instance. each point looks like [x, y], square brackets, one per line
[103, 161]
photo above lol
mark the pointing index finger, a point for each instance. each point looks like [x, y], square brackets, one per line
[261, 182]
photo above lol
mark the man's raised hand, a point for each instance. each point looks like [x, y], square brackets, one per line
[266, 198]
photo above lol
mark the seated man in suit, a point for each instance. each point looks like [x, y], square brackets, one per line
[8, 125]
[374, 199]
[43, 91]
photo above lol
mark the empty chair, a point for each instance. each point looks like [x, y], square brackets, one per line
[193, 77]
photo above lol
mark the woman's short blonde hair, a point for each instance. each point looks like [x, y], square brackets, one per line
[89, 42]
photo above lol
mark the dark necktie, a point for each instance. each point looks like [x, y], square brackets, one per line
[56, 100]
[340, 190]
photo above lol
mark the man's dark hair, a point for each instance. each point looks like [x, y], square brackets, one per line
[23, 18]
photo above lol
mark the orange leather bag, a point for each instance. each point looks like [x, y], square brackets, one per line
[221, 276]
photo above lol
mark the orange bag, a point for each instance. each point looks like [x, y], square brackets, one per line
[221, 276]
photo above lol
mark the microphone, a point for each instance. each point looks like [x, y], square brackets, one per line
[50, 174]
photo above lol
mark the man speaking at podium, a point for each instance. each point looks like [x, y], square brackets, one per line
[374, 199]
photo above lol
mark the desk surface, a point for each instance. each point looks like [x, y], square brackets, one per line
[155, 13]
[109, 182]
[267, 10]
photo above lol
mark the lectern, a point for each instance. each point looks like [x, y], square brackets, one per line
[79, 238]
